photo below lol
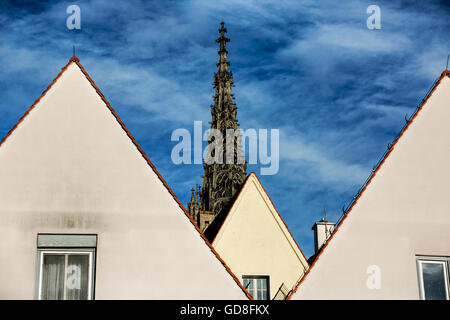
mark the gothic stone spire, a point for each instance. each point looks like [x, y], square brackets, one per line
[223, 178]
[223, 63]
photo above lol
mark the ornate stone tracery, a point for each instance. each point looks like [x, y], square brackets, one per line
[221, 179]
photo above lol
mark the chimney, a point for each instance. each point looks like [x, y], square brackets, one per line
[322, 231]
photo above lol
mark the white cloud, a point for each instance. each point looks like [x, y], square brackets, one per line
[297, 151]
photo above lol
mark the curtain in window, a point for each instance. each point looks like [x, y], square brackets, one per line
[53, 277]
[65, 277]
[77, 277]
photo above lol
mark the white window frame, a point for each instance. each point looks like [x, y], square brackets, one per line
[254, 278]
[445, 261]
[91, 266]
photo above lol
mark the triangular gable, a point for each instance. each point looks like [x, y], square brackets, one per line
[401, 202]
[47, 200]
[254, 230]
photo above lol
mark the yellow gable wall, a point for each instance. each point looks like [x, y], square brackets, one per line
[404, 212]
[69, 167]
[253, 240]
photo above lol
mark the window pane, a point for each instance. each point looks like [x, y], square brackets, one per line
[434, 281]
[52, 287]
[264, 288]
[258, 284]
[248, 284]
[257, 287]
[77, 277]
[259, 295]
[264, 283]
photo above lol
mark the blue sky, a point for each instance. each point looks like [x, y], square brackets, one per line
[337, 91]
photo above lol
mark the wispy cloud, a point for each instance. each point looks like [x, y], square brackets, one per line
[337, 91]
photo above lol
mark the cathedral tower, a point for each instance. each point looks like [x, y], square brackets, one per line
[225, 167]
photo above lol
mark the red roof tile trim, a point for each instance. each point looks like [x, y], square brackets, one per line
[235, 200]
[77, 62]
[444, 74]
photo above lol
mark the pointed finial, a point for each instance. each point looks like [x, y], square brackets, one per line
[192, 196]
[222, 29]
[223, 63]
[74, 57]
[222, 39]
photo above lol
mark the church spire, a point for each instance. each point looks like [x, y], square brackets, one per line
[223, 63]
[222, 178]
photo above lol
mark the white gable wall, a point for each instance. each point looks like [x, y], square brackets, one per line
[404, 212]
[69, 167]
[253, 240]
